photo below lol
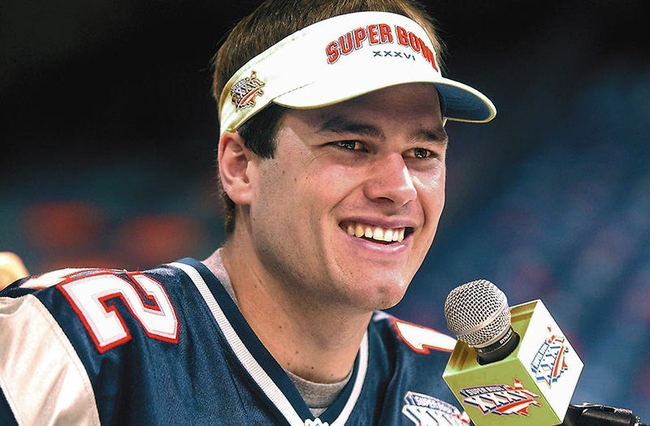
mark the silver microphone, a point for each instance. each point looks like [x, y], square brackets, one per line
[478, 313]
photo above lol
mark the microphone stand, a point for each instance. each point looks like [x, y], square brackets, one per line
[588, 414]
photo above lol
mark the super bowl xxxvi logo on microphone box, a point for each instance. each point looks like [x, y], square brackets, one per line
[550, 361]
[501, 399]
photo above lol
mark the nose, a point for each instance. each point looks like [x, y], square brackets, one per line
[390, 182]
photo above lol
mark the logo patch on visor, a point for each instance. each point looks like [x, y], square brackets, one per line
[244, 92]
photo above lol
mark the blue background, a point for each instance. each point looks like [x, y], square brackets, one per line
[109, 136]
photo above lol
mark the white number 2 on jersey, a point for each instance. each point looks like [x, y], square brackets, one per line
[89, 295]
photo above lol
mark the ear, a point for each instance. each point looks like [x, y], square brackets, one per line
[235, 168]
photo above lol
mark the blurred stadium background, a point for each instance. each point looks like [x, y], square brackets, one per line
[109, 134]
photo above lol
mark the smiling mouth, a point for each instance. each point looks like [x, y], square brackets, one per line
[376, 233]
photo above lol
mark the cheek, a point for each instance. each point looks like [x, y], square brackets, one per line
[433, 202]
[323, 183]
[432, 191]
[289, 193]
[272, 192]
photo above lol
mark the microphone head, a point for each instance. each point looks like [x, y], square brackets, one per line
[477, 313]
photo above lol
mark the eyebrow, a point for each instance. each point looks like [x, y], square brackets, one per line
[341, 125]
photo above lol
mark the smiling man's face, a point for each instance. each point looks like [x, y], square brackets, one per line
[347, 208]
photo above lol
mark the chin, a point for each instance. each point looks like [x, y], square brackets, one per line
[385, 297]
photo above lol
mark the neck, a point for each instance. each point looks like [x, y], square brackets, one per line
[312, 339]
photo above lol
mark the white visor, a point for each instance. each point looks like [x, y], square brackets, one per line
[341, 58]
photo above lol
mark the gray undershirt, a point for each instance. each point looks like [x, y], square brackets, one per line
[317, 396]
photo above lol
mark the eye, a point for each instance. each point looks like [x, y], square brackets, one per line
[420, 153]
[350, 145]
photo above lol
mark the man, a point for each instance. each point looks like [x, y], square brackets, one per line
[332, 163]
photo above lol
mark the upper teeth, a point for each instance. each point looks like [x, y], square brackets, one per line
[376, 232]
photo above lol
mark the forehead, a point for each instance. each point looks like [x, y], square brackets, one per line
[410, 96]
[413, 104]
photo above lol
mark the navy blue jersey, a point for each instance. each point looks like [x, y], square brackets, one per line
[169, 346]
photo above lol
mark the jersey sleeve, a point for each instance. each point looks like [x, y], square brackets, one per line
[42, 379]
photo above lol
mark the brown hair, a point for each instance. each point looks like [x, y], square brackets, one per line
[269, 23]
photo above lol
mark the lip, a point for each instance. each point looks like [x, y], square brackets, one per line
[376, 245]
[381, 222]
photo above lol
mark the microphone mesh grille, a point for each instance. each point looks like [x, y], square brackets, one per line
[477, 312]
